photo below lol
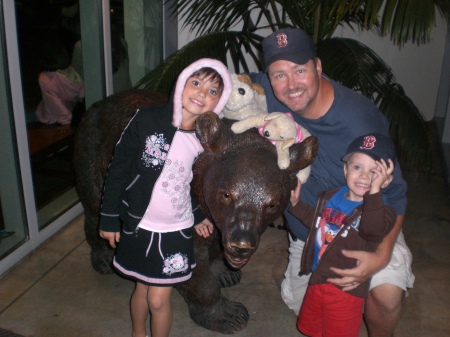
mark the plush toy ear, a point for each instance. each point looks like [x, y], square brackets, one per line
[288, 143]
[248, 123]
[273, 115]
[212, 133]
[244, 78]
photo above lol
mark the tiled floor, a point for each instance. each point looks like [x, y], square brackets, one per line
[55, 292]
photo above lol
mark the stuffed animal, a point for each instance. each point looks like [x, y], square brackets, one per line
[281, 129]
[246, 99]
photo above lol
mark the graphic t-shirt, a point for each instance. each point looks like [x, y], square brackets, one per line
[338, 208]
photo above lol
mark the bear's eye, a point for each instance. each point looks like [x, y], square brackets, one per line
[226, 195]
[241, 91]
[271, 208]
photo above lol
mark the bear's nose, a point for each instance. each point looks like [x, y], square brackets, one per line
[266, 134]
[241, 91]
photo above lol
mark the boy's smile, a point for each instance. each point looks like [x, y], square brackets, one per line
[359, 172]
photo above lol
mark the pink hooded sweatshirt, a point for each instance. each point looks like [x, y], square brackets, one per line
[60, 90]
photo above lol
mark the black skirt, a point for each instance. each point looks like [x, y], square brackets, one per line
[156, 259]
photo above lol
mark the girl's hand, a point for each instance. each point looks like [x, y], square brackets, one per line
[112, 237]
[204, 228]
[382, 176]
[295, 194]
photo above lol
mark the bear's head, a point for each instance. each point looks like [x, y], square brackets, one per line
[239, 185]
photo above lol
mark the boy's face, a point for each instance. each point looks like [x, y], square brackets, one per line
[199, 96]
[359, 172]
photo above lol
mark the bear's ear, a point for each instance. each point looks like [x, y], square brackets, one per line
[303, 154]
[212, 133]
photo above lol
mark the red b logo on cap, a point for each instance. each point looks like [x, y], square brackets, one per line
[369, 142]
[282, 40]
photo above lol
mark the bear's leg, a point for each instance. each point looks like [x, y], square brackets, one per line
[226, 276]
[101, 253]
[207, 307]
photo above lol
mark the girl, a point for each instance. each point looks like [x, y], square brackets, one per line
[147, 192]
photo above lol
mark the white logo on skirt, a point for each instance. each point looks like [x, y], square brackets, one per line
[177, 263]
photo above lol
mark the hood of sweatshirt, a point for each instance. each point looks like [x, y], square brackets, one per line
[187, 72]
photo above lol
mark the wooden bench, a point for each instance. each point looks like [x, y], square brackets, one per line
[44, 140]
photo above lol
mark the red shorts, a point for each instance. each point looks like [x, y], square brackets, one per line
[330, 312]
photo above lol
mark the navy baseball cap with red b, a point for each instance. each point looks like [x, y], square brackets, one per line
[289, 44]
[374, 145]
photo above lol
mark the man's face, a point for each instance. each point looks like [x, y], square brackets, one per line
[295, 85]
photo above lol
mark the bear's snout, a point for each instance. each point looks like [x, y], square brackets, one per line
[243, 242]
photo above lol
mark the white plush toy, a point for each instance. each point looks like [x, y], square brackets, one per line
[246, 99]
[281, 129]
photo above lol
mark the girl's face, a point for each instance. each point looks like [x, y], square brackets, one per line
[359, 172]
[199, 96]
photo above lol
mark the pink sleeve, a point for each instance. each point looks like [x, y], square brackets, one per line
[57, 111]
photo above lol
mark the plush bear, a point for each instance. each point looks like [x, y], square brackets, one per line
[246, 99]
[281, 129]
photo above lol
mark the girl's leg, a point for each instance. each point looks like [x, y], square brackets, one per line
[139, 309]
[159, 301]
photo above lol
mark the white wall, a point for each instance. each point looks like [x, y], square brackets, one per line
[416, 68]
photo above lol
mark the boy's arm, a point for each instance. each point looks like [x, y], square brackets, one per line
[299, 209]
[303, 212]
[377, 219]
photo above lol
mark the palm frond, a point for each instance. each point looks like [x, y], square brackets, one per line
[403, 20]
[354, 64]
[205, 17]
[407, 126]
[214, 45]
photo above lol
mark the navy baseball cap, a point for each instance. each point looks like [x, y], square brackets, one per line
[374, 145]
[290, 44]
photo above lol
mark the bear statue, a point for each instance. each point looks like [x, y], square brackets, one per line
[237, 182]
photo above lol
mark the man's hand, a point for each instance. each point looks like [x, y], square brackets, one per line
[367, 264]
[204, 228]
[112, 237]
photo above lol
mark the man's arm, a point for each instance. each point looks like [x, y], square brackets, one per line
[368, 263]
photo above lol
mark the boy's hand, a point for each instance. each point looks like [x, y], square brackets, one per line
[295, 194]
[382, 176]
[204, 228]
[112, 237]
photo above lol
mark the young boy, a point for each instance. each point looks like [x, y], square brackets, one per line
[146, 201]
[353, 217]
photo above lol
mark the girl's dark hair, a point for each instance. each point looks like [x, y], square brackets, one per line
[54, 56]
[215, 77]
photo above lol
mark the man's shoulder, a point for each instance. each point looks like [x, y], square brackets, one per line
[350, 96]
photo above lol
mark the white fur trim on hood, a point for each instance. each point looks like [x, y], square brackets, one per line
[187, 72]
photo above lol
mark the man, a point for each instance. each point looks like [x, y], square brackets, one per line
[293, 81]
